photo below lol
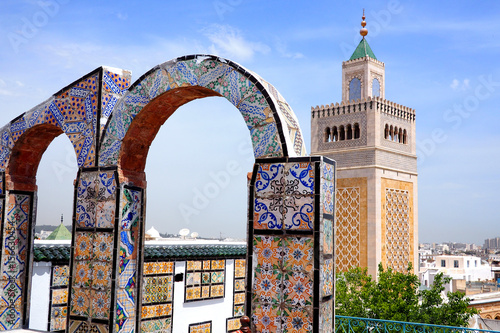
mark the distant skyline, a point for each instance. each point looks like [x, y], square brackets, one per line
[441, 59]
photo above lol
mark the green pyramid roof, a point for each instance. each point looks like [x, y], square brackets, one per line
[60, 233]
[362, 51]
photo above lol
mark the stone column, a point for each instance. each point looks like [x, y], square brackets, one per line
[290, 245]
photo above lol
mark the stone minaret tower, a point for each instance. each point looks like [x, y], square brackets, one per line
[373, 142]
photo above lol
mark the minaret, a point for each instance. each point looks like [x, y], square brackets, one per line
[373, 141]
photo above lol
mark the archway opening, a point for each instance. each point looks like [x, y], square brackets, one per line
[196, 171]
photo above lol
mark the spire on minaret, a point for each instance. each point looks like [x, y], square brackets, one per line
[363, 32]
[61, 218]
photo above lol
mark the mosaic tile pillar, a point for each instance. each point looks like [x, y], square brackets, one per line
[290, 246]
[104, 256]
[17, 239]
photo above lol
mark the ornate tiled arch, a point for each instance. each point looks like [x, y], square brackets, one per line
[273, 127]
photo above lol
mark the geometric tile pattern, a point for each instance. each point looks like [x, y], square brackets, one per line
[74, 111]
[204, 279]
[347, 228]
[239, 288]
[157, 296]
[267, 115]
[16, 237]
[291, 222]
[205, 327]
[397, 219]
[59, 298]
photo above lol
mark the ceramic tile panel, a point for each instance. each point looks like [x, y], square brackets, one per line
[105, 217]
[299, 179]
[101, 275]
[326, 278]
[82, 273]
[267, 286]
[239, 310]
[103, 246]
[298, 289]
[10, 318]
[80, 302]
[326, 317]
[232, 324]
[270, 180]
[205, 327]
[60, 275]
[58, 316]
[265, 141]
[125, 304]
[78, 326]
[297, 320]
[239, 298]
[130, 208]
[266, 318]
[158, 310]
[267, 252]
[163, 325]
[327, 171]
[100, 304]
[204, 279]
[59, 296]
[157, 289]
[327, 236]
[327, 196]
[239, 285]
[298, 254]
[239, 268]
[267, 213]
[298, 212]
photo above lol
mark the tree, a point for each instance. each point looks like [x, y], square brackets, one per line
[395, 296]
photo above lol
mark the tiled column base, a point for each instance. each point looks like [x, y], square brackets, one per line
[291, 245]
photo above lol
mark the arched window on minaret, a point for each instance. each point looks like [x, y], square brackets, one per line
[375, 88]
[400, 135]
[341, 133]
[356, 131]
[395, 137]
[391, 133]
[328, 135]
[386, 131]
[405, 137]
[335, 134]
[349, 132]
[354, 89]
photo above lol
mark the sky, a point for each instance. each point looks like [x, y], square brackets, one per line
[441, 59]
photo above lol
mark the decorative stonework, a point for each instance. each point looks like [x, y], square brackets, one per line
[397, 224]
[348, 225]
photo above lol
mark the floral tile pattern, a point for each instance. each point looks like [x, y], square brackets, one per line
[326, 316]
[297, 320]
[298, 289]
[163, 325]
[232, 325]
[266, 318]
[267, 287]
[327, 236]
[326, 278]
[59, 297]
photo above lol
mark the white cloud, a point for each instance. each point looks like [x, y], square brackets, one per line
[283, 51]
[460, 85]
[228, 42]
[122, 16]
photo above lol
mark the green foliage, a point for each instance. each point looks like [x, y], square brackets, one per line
[395, 296]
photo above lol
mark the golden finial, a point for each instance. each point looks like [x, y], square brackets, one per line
[363, 32]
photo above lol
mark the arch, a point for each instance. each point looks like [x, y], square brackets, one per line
[400, 135]
[273, 126]
[335, 134]
[354, 89]
[391, 133]
[386, 131]
[349, 132]
[395, 137]
[356, 131]
[405, 137]
[328, 135]
[497, 316]
[375, 88]
[341, 133]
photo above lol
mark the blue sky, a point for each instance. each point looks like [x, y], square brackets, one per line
[441, 59]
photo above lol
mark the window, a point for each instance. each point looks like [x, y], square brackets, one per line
[475, 263]
[328, 135]
[443, 263]
[376, 88]
[356, 131]
[455, 263]
[335, 134]
[467, 263]
[341, 133]
[354, 89]
[349, 132]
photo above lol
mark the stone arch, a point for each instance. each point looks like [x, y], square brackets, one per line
[272, 124]
[328, 135]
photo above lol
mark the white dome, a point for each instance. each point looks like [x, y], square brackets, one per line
[153, 233]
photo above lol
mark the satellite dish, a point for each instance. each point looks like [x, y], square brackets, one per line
[184, 232]
[194, 235]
